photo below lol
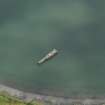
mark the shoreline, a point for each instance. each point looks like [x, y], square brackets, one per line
[27, 97]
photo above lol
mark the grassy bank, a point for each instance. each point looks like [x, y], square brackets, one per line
[6, 99]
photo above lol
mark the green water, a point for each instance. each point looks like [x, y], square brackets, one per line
[31, 28]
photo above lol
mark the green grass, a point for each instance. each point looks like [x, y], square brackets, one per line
[6, 99]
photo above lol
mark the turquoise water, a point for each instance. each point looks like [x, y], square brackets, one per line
[30, 29]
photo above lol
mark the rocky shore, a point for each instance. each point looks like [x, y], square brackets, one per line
[27, 97]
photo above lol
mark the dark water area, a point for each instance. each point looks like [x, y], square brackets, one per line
[31, 28]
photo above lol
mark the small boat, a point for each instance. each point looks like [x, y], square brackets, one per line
[49, 56]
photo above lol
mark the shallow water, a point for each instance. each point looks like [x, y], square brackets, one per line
[30, 29]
